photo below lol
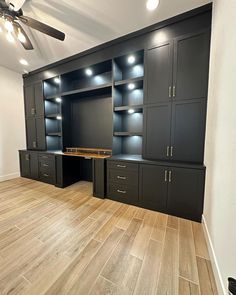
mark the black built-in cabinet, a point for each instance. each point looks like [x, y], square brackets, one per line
[153, 107]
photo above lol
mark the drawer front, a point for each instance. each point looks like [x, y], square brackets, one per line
[46, 165]
[47, 177]
[122, 165]
[124, 177]
[123, 193]
[46, 157]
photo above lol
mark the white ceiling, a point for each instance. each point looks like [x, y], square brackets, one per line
[86, 23]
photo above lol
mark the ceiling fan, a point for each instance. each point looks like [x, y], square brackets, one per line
[11, 12]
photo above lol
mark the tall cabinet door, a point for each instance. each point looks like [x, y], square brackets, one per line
[31, 134]
[191, 63]
[38, 97]
[25, 164]
[186, 193]
[30, 110]
[40, 133]
[158, 73]
[153, 186]
[157, 123]
[188, 130]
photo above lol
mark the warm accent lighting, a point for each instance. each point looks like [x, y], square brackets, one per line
[21, 37]
[88, 72]
[131, 86]
[131, 111]
[57, 80]
[0, 30]
[10, 38]
[59, 117]
[131, 59]
[152, 4]
[58, 99]
[9, 26]
[24, 62]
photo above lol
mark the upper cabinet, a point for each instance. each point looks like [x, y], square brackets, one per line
[158, 78]
[34, 104]
[178, 69]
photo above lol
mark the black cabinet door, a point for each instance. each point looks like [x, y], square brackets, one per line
[188, 130]
[186, 193]
[191, 63]
[34, 165]
[99, 178]
[31, 134]
[153, 187]
[25, 164]
[157, 123]
[41, 133]
[39, 101]
[30, 110]
[158, 73]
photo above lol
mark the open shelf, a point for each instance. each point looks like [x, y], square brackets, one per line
[125, 109]
[128, 133]
[54, 134]
[93, 90]
[52, 116]
[137, 81]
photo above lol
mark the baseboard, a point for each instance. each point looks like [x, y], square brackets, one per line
[215, 265]
[9, 176]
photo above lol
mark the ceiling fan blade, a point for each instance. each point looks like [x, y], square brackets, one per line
[15, 4]
[27, 44]
[34, 24]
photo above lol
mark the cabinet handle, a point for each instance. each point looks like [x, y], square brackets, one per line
[167, 151]
[170, 88]
[174, 91]
[170, 176]
[121, 177]
[171, 151]
[121, 192]
[45, 165]
[33, 111]
[34, 144]
[121, 166]
[46, 175]
[166, 172]
[27, 157]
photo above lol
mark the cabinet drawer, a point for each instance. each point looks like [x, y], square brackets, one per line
[48, 177]
[127, 194]
[122, 165]
[46, 157]
[46, 165]
[124, 177]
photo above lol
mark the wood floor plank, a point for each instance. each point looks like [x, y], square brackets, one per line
[169, 273]
[126, 218]
[199, 240]
[103, 286]
[187, 253]
[159, 229]
[206, 277]
[173, 222]
[150, 269]
[188, 288]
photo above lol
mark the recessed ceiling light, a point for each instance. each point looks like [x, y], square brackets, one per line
[24, 62]
[59, 117]
[58, 99]
[88, 72]
[152, 4]
[131, 86]
[131, 111]
[131, 59]
[57, 80]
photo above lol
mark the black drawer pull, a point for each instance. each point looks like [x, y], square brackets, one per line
[45, 165]
[121, 177]
[121, 192]
[121, 166]
[46, 175]
[45, 157]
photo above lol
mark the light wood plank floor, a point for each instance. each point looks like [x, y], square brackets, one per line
[55, 241]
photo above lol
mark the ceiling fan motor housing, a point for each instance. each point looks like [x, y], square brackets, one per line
[15, 4]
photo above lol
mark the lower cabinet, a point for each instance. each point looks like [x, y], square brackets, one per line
[25, 169]
[99, 172]
[47, 169]
[173, 190]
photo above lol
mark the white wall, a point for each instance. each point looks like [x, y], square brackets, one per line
[12, 125]
[220, 155]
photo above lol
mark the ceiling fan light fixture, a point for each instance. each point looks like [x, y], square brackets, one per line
[21, 37]
[9, 26]
[10, 38]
